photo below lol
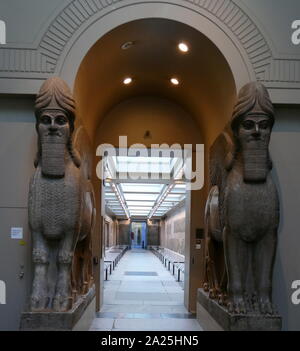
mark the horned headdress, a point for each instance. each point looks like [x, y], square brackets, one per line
[253, 98]
[55, 94]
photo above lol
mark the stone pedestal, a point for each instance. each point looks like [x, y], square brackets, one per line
[79, 318]
[213, 317]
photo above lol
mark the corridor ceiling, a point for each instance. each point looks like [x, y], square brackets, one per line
[206, 89]
[143, 196]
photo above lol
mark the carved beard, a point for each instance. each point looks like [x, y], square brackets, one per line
[255, 155]
[53, 156]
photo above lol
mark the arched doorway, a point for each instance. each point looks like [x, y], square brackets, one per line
[192, 113]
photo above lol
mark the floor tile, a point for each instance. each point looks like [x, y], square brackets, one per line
[102, 323]
[141, 294]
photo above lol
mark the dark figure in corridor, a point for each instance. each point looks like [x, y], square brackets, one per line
[139, 237]
[61, 205]
[242, 210]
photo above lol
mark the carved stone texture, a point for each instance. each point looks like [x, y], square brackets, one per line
[215, 317]
[242, 210]
[61, 205]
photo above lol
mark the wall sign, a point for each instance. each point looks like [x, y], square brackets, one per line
[16, 233]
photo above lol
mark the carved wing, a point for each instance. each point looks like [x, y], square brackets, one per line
[221, 158]
[83, 146]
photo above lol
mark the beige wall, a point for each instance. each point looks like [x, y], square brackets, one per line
[166, 121]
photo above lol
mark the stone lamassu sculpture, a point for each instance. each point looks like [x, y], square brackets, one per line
[61, 205]
[242, 210]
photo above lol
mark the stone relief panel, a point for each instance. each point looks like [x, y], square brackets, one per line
[175, 232]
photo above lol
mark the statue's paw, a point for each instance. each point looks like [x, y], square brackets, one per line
[38, 303]
[62, 303]
[74, 295]
[237, 305]
[222, 299]
[85, 288]
[266, 306]
[212, 294]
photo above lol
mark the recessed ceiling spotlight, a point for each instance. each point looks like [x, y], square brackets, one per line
[174, 81]
[183, 47]
[127, 45]
[127, 81]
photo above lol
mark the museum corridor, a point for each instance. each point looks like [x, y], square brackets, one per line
[141, 294]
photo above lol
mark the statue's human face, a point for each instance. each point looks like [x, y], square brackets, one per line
[54, 123]
[254, 135]
[255, 128]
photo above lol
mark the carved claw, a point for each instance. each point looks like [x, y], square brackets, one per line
[38, 303]
[205, 287]
[265, 306]
[237, 305]
[85, 287]
[212, 294]
[62, 303]
[74, 295]
[222, 300]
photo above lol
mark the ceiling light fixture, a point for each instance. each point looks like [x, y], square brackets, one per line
[174, 81]
[127, 81]
[183, 47]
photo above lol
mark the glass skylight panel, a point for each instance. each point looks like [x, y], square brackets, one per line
[146, 214]
[110, 195]
[178, 190]
[141, 188]
[143, 164]
[138, 203]
[173, 197]
[129, 196]
[140, 198]
[139, 207]
[138, 211]
[141, 212]
[180, 186]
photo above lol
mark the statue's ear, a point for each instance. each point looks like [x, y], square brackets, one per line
[231, 152]
[76, 158]
[229, 161]
[38, 155]
[36, 160]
